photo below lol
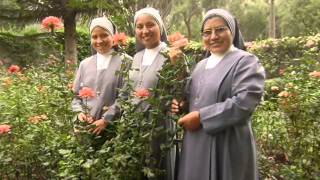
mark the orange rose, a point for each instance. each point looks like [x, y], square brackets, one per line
[120, 39]
[37, 119]
[315, 74]
[284, 94]
[142, 93]
[177, 40]
[86, 92]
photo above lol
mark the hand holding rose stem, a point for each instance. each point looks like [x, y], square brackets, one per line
[99, 125]
[190, 121]
[119, 40]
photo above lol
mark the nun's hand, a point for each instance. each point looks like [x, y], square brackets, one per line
[85, 118]
[176, 106]
[191, 121]
[175, 54]
[100, 125]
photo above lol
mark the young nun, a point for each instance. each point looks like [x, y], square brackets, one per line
[150, 40]
[98, 72]
[224, 90]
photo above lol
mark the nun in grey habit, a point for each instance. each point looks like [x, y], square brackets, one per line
[98, 72]
[224, 90]
[151, 39]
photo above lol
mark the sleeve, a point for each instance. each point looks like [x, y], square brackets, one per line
[246, 92]
[115, 109]
[76, 102]
[112, 111]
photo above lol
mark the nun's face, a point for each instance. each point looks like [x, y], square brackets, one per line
[148, 31]
[216, 36]
[101, 40]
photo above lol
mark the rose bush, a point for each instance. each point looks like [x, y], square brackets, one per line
[287, 124]
[35, 103]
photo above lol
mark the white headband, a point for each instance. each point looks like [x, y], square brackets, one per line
[104, 23]
[151, 12]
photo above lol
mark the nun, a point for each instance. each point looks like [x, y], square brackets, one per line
[224, 90]
[98, 72]
[151, 39]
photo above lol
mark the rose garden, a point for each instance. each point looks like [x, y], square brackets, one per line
[37, 129]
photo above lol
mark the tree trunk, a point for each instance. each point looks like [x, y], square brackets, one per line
[272, 20]
[188, 25]
[70, 42]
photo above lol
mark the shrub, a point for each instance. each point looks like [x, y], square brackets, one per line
[36, 103]
[287, 125]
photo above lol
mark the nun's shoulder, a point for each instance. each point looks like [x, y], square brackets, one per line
[246, 55]
[201, 63]
[138, 54]
[88, 60]
[123, 56]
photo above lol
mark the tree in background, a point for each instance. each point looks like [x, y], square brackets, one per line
[125, 21]
[252, 18]
[292, 18]
[186, 16]
[183, 16]
[24, 11]
[299, 17]
[121, 12]
[272, 20]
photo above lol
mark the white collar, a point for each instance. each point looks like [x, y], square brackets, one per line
[150, 54]
[103, 60]
[214, 59]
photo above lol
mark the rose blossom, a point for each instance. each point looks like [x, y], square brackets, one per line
[4, 128]
[120, 39]
[315, 74]
[14, 69]
[142, 93]
[86, 92]
[51, 23]
[177, 40]
[284, 94]
[274, 88]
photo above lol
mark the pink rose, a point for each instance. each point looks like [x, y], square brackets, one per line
[142, 93]
[4, 128]
[86, 92]
[13, 69]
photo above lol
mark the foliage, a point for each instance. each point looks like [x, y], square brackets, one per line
[33, 102]
[28, 49]
[297, 18]
[252, 19]
[131, 154]
[41, 144]
[287, 125]
[278, 54]
[25, 50]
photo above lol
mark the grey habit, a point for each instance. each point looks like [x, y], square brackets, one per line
[104, 82]
[226, 96]
[147, 77]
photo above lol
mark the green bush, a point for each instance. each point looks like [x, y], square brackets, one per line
[286, 124]
[36, 104]
[277, 54]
